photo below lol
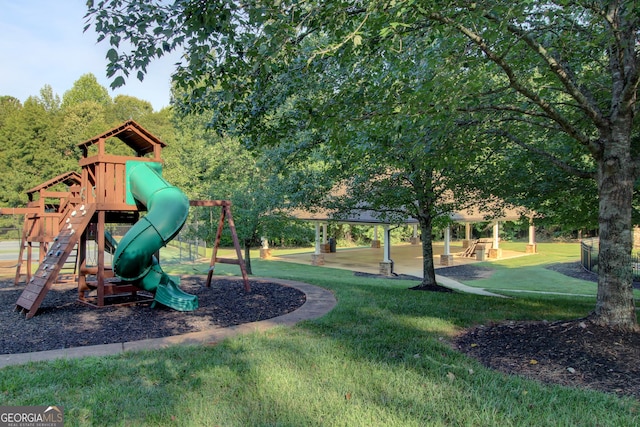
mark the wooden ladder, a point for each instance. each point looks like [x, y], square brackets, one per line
[29, 224]
[70, 268]
[77, 220]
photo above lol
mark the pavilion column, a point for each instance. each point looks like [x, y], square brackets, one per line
[467, 235]
[324, 247]
[415, 240]
[495, 251]
[375, 243]
[386, 266]
[317, 258]
[532, 246]
[447, 258]
[265, 252]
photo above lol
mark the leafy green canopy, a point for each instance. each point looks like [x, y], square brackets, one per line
[269, 69]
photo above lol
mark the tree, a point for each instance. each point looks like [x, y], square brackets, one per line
[27, 151]
[8, 106]
[375, 122]
[571, 74]
[49, 100]
[86, 88]
[126, 107]
[567, 71]
[78, 122]
[208, 166]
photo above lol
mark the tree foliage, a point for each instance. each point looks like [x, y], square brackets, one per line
[212, 167]
[86, 88]
[38, 140]
[556, 78]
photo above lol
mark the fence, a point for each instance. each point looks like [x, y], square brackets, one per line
[589, 255]
[589, 251]
[10, 233]
[187, 249]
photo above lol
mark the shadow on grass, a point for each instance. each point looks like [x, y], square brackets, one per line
[381, 357]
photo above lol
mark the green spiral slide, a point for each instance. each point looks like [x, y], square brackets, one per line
[167, 209]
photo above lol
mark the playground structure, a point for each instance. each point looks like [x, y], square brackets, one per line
[43, 218]
[111, 189]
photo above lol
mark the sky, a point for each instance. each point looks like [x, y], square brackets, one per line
[42, 43]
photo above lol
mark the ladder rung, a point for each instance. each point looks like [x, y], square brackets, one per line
[228, 261]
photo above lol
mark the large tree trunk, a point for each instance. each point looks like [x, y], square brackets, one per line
[615, 306]
[428, 268]
[247, 255]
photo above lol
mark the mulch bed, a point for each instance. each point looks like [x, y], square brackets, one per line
[62, 322]
[573, 353]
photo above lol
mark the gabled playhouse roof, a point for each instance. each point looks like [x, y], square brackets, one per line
[68, 179]
[130, 133]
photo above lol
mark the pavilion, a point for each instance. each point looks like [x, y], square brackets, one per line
[322, 218]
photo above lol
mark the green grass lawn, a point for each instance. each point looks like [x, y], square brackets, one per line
[380, 358]
[528, 273]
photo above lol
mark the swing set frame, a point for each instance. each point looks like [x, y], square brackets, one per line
[225, 215]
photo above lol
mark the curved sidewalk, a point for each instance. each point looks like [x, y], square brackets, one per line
[319, 301]
[454, 284]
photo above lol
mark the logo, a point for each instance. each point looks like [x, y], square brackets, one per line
[31, 416]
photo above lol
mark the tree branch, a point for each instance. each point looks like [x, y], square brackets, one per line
[517, 85]
[553, 159]
[587, 104]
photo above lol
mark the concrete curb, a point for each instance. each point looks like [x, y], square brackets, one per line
[319, 302]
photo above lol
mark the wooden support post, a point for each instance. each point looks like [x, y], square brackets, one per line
[225, 214]
[100, 240]
[81, 263]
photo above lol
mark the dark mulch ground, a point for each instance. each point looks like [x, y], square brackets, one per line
[574, 353]
[62, 322]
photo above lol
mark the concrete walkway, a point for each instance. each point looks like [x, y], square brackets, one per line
[454, 284]
[318, 302]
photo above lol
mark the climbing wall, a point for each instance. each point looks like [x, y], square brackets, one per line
[77, 220]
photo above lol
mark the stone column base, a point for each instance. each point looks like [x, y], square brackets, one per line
[265, 253]
[415, 240]
[375, 244]
[495, 253]
[317, 259]
[386, 268]
[532, 249]
[446, 259]
[466, 243]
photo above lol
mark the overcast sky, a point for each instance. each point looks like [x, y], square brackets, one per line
[42, 42]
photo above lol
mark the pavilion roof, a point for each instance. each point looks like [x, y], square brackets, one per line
[366, 216]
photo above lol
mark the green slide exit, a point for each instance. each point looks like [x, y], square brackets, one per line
[167, 210]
